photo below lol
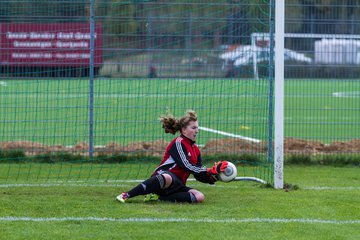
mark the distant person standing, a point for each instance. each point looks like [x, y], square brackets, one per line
[152, 72]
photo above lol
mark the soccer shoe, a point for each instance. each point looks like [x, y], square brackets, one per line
[122, 197]
[151, 197]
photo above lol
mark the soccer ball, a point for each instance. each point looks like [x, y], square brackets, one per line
[229, 174]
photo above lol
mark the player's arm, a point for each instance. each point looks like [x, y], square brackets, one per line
[180, 155]
[205, 176]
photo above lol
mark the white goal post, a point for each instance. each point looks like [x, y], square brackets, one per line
[279, 96]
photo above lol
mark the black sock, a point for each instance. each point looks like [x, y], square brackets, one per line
[179, 197]
[148, 186]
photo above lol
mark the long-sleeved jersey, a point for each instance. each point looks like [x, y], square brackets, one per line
[182, 157]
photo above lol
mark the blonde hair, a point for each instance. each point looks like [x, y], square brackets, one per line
[172, 125]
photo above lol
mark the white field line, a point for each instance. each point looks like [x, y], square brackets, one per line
[50, 185]
[191, 220]
[100, 184]
[66, 185]
[229, 134]
[331, 188]
[346, 94]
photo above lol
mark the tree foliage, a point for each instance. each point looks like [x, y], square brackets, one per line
[234, 18]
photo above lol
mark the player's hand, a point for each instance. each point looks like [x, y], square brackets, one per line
[219, 167]
[213, 178]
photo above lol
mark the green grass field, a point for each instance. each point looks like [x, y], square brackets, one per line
[127, 110]
[325, 207]
[76, 200]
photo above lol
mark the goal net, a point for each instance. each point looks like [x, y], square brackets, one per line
[83, 85]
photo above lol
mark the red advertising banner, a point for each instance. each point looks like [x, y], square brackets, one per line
[49, 44]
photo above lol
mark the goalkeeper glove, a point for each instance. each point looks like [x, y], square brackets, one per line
[218, 167]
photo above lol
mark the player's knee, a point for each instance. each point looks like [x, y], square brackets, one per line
[168, 180]
[199, 196]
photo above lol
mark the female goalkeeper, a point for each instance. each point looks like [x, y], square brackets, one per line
[182, 158]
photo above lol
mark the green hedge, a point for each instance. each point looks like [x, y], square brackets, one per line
[18, 156]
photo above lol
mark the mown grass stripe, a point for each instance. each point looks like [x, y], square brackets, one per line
[202, 220]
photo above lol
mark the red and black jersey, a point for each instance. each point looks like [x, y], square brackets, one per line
[182, 157]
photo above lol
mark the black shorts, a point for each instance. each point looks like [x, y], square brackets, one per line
[176, 186]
